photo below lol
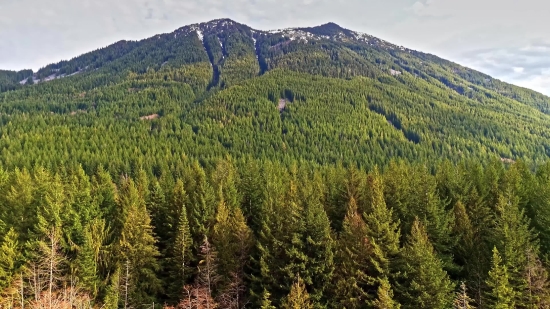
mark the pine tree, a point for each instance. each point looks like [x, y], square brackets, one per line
[51, 211]
[266, 303]
[475, 253]
[225, 180]
[278, 254]
[88, 259]
[222, 239]
[501, 294]
[137, 246]
[78, 193]
[105, 195]
[237, 251]
[182, 256]
[112, 291]
[201, 211]
[513, 237]
[298, 298]
[538, 209]
[21, 215]
[425, 284]
[251, 188]
[384, 296]
[352, 257]
[158, 207]
[319, 251]
[382, 230]
[462, 300]
[10, 258]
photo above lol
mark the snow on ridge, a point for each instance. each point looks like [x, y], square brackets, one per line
[200, 35]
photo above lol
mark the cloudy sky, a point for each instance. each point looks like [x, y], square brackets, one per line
[508, 39]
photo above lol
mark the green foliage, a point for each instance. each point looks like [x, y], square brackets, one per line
[384, 296]
[10, 258]
[298, 298]
[129, 157]
[501, 294]
[138, 253]
[425, 284]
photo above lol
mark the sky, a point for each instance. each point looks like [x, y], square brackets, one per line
[507, 39]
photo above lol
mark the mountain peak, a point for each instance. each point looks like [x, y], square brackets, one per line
[329, 29]
[213, 26]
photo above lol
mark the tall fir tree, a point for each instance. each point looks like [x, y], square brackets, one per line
[354, 250]
[181, 258]
[298, 298]
[513, 238]
[10, 259]
[138, 252]
[384, 296]
[382, 230]
[319, 251]
[424, 284]
[501, 294]
[201, 210]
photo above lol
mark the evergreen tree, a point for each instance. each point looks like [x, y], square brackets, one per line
[298, 298]
[158, 207]
[382, 230]
[424, 284]
[222, 240]
[475, 252]
[384, 296]
[112, 291]
[251, 188]
[501, 294]
[89, 259]
[513, 237]
[237, 251]
[51, 210]
[266, 303]
[21, 213]
[105, 195]
[225, 179]
[182, 256]
[319, 251]
[201, 211]
[352, 257]
[137, 246]
[10, 258]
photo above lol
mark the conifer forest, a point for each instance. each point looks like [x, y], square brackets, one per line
[224, 167]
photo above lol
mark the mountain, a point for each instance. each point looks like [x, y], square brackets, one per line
[322, 94]
[220, 166]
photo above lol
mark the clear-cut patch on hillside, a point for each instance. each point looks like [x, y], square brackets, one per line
[149, 117]
[282, 104]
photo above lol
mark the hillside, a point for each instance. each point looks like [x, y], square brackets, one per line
[216, 87]
[220, 166]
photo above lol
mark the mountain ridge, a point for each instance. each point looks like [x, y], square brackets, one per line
[326, 32]
[217, 87]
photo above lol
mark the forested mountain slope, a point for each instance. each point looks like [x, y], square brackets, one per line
[219, 166]
[215, 88]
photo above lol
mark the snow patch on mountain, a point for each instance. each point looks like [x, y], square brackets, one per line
[200, 35]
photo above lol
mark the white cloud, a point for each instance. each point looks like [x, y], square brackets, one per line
[518, 69]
